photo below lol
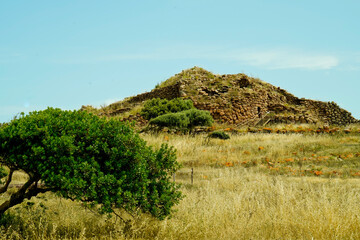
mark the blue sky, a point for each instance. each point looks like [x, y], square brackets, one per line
[71, 53]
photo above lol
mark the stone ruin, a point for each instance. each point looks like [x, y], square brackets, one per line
[238, 99]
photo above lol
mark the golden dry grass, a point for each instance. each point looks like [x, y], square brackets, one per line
[237, 203]
[227, 201]
[298, 151]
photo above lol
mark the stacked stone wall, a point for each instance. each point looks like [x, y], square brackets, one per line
[330, 112]
[245, 109]
[250, 108]
[169, 92]
[245, 104]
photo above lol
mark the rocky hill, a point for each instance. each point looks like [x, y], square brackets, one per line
[236, 99]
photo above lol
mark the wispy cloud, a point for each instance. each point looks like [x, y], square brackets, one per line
[103, 58]
[10, 57]
[286, 59]
[357, 58]
[277, 58]
[349, 61]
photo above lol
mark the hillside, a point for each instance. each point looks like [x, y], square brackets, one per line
[235, 99]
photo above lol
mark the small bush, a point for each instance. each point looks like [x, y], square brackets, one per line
[219, 135]
[157, 107]
[184, 120]
[171, 120]
[199, 118]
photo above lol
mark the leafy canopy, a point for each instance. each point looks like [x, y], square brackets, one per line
[156, 107]
[91, 159]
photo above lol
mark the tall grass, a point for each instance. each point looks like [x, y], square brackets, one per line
[226, 201]
[243, 204]
[324, 150]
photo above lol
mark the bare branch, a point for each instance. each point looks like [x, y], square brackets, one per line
[118, 215]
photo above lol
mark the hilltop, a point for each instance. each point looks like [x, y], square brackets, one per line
[235, 99]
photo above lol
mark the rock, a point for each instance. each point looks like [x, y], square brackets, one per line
[243, 82]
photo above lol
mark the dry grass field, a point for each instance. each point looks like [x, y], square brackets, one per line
[252, 186]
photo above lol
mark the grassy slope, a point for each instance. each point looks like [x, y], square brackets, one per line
[229, 199]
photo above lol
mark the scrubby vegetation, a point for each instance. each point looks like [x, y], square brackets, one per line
[157, 107]
[185, 120]
[261, 185]
[177, 114]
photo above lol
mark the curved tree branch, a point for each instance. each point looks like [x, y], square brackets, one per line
[8, 180]
[23, 193]
[35, 191]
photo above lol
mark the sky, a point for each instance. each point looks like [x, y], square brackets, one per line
[70, 53]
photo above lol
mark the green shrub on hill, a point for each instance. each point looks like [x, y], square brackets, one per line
[157, 107]
[101, 162]
[185, 120]
[173, 120]
[199, 118]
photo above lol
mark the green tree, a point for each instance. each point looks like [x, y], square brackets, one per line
[83, 157]
[157, 107]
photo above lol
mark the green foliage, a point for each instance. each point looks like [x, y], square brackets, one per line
[97, 161]
[8, 219]
[173, 120]
[219, 135]
[3, 174]
[157, 107]
[184, 120]
[199, 118]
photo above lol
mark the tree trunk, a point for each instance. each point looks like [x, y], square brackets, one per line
[19, 196]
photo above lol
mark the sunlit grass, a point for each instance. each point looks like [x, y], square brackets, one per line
[252, 186]
[290, 153]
